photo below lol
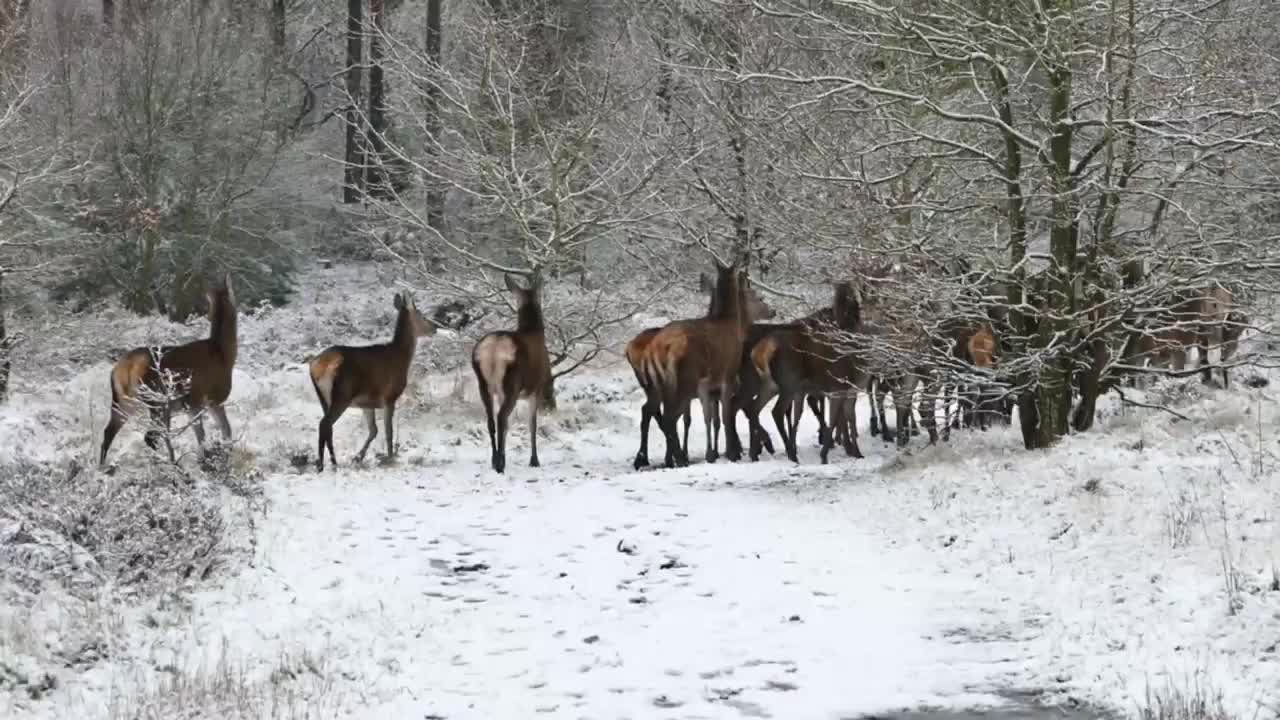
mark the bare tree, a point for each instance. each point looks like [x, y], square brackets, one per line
[27, 163]
[1072, 131]
[539, 193]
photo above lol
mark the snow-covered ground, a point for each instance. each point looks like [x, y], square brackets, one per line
[1143, 553]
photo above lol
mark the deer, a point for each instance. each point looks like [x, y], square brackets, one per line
[1207, 310]
[702, 357]
[1202, 319]
[635, 351]
[511, 365]
[807, 360]
[370, 377]
[201, 369]
[974, 346]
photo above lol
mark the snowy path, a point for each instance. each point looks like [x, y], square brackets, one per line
[428, 594]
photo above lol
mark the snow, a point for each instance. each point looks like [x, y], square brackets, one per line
[948, 576]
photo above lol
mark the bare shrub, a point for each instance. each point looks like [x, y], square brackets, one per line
[76, 529]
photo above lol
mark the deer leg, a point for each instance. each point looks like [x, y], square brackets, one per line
[817, 404]
[486, 400]
[732, 444]
[796, 406]
[902, 393]
[336, 408]
[779, 412]
[197, 426]
[929, 411]
[504, 415]
[651, 405]
[716, 401]
[688, 420]
[880, 399]
[826, 431]
[872, 388]
[388, 415]
[758, 434]
[708, 419]
[371, 422]
[109, 433]
[851, 436]
[220, 416]
[533, 431]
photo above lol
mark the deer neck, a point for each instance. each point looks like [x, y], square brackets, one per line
[222, 331]
[404, 342]
[529, 318]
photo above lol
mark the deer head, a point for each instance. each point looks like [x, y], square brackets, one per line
[418, 324]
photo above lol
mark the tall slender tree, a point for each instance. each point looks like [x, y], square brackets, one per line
[435, 195]
[376, 174]
[353, 169]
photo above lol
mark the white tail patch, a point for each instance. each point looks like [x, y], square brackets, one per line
[495, 355]
[323, 370]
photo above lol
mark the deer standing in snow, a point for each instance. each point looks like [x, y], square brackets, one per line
[514, 364]
[636, 351]
[201, 371]
[370, 377]
[700, 357]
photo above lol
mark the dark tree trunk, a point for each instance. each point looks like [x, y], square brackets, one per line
[1055, 379]
[377, 173]
[435, 195]
[277, 26]
[353, 173]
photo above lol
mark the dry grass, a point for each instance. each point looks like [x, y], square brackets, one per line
[1194, 700]
[299, 687]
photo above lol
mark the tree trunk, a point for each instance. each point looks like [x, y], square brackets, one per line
[435, 194]
[1020, 325]
[734, 126]
[377, 174]
[277, 27]
[1055, 380]
[353, 172]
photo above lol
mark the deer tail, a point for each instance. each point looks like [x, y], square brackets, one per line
[762, 358]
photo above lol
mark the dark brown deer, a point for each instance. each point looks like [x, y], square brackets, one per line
[370, 377]
[700, 357]
[652, 408]
[514, 364]
[200, 372]
[809, 359]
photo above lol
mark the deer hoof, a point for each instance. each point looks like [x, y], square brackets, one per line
[641, 461]
[533, 462]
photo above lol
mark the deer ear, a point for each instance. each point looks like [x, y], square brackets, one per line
[511, 283]
[705, 283]
[399, 301]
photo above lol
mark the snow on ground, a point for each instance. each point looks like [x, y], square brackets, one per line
[1143, 552]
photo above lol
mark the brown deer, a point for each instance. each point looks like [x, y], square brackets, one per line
[808, 359]
[370, 377]
[1202, 319]
[635, 352]
[513, 364]
[975, 346]
[701, 357]
[199, 371]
